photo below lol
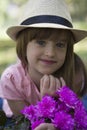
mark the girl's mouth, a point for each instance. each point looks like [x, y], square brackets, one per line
[48, 62]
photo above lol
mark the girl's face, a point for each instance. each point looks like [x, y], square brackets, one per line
[45, 56]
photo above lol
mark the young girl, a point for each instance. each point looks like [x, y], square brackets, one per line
[44, 46]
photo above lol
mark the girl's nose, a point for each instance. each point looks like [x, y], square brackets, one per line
[50, 51]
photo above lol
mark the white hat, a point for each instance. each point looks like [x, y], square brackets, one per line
[46, 14]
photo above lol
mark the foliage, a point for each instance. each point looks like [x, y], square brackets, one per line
[3, 8]
[18, 123]
[7, 54]
[79, 9]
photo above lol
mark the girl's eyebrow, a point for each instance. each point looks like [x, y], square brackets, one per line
[63, 40]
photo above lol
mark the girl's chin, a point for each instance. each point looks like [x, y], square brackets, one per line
[47, 72]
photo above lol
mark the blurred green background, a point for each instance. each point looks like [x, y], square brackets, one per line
[9, 14]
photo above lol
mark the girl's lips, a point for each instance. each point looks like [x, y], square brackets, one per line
[48, 61]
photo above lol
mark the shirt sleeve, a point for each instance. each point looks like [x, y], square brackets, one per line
[7, 109]
[10, 84]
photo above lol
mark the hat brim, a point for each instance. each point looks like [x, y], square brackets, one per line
[77, 33]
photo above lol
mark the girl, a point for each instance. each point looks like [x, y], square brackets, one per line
[42, 67]
[44, 46]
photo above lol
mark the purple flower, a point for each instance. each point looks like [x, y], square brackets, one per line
[61, 106]
[63, 121]
[66, 112]
[46, 107]
[80, 117]
[67, 96]
[29, 112]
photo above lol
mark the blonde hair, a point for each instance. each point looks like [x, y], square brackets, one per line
[23, 38]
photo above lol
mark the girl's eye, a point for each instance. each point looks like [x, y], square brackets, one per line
[42, 43]
[61, 44]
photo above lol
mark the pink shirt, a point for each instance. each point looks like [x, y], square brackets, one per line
[16, 84]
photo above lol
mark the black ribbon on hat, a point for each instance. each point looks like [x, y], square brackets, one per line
[47, 19]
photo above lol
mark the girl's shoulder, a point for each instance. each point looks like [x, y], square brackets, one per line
[11, 82]
[14, 70]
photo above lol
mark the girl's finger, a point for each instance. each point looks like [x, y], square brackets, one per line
[63, 83]
[44, 85]
[58, 84]
[44, 82]
[52, 83]
[45, 126]
[41, 82]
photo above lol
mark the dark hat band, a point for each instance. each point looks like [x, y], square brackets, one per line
[47, 19]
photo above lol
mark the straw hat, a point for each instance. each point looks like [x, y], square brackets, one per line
[46, 14]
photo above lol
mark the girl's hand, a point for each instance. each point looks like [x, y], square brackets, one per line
[49, 85]
[45, 126]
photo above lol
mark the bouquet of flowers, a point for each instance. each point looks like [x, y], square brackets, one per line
[66, 111]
